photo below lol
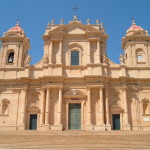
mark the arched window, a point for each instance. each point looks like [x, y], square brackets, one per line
[11, 57]
[74, 58]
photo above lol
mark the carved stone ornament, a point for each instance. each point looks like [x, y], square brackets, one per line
[45, 59]
[27, 60]
[105, 59]
[74, 91]
[121, 59]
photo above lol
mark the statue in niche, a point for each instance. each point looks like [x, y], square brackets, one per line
[27, 60]
[105, 59]
[45, 59]
[121, 59]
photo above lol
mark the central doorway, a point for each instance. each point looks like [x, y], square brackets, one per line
[116, 121]
[74, 117]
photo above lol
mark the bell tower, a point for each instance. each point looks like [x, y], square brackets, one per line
[14, 47]
[136, 45]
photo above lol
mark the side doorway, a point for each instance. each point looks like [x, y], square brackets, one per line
[116, 121]
[33, 122]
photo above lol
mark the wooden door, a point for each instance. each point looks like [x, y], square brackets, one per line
[74, 116]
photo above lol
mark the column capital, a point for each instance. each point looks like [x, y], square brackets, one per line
[124, 88]
[25, 89]
[48, 88]
[101, 87]
[43, 89]
[89, 87]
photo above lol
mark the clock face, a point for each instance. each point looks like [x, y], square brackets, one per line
[140, 57]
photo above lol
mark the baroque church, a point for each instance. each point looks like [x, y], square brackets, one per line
[75, 86]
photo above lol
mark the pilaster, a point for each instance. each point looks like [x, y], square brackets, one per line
[100, 124]
[89, 119]
[42, 106]
[50, 52]
[23, 108]
[108, 125]
[89, 51]
[126, 117]
[98, 52]
[47, 108]
[59, 112]
[60, 52]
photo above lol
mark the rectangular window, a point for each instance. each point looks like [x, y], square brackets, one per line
[75, 58]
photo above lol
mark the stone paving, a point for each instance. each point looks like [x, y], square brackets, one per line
[75, 140]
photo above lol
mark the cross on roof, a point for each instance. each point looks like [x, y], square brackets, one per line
[75, 8]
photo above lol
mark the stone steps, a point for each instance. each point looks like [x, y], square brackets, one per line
[75, 140]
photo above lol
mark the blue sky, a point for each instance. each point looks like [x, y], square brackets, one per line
[35, 14]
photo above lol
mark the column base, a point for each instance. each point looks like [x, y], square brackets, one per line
[89, 127]
[57, 127]
[21, 127]
[127, 127]
[108, 127]
[100, 127]
[45, 127]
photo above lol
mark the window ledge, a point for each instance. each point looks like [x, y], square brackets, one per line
[9, 63]
[76, 67]
[145, 114]
[4, 115]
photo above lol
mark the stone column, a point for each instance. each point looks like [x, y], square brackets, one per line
[50, 52]
[134, 57]
[126, 118]
[89, 52]
[4, 57]
[108, 126]
[98, 52]
[42, 106]
[16, 55]
[89, 118]
[146, 55]
[46, 48]
[101, 102]
[20, 59]
[59, 121]
[60, 52]
[23, 107]
[100, 123]
[47, 108]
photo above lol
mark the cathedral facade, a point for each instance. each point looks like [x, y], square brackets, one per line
[75, 86]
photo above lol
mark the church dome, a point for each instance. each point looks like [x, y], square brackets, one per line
[135, 30]
[15, 31]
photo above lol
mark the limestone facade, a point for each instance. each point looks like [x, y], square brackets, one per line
[74, 70]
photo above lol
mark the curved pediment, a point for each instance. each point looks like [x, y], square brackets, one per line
[116, 108]
[72, 45]
[33, 108]
[74, 93]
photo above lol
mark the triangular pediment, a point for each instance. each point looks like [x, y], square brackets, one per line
[75, 30]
